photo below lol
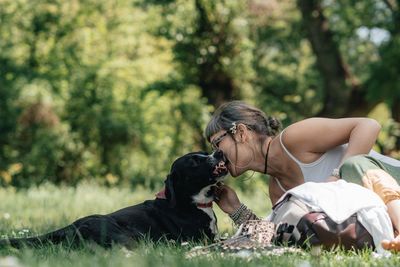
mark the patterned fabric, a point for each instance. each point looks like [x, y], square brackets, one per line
[252, 236]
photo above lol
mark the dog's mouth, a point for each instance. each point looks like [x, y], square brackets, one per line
[220, 169]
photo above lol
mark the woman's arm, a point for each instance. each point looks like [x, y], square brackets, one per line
[275, 192]
[228, 202]
[318, 135]
[226, 199]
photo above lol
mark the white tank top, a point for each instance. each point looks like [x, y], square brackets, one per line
[321, 169]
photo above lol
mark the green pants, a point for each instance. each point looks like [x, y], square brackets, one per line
[355, 169]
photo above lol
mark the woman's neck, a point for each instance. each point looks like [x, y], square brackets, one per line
[261, 161]
[273, 160]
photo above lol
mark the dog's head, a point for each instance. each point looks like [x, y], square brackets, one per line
[193, 178]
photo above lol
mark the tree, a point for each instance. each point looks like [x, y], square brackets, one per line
[343, 95]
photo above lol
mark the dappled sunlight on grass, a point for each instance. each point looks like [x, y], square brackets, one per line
[150, 254]
[44, 208]
[47, 207]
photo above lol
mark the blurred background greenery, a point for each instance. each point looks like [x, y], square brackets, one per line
[113, 91]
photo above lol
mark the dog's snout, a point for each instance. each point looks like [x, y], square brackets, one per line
[218, 154]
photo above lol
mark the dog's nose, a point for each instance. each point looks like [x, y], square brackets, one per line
[218, 154]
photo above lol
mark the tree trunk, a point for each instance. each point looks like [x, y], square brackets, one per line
[395, 109]
[343, 96]
[395, 32]
[216, 85]
[217, 88]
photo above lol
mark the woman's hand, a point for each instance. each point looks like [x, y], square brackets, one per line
[226, 199]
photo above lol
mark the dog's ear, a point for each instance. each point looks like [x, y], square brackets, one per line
[170, 190]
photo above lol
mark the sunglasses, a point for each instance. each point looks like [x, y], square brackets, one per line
[216, 141]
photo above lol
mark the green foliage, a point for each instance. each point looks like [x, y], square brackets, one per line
[287, 83]
[215, 38]
[91, 63]
[49, 155]
[347, 19]
[116, 90]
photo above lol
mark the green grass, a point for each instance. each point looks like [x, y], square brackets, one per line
[44, 208]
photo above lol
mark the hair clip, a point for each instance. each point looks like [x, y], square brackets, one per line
[233, 128]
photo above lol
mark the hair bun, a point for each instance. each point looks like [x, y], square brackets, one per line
[240, 112]
[273, 124]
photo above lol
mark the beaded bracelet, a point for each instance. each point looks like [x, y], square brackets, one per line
[242, 214]
[236, 214]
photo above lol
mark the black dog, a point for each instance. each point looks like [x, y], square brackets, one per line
[184, 214]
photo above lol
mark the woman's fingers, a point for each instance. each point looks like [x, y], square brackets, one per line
[218, 191]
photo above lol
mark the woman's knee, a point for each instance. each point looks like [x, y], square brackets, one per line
[383, 184]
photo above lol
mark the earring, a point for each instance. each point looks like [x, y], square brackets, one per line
[233, 128]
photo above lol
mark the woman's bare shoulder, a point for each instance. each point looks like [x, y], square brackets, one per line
[318, 134]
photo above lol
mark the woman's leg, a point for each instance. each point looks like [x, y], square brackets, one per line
[394, 213]
[388, 189]
[377, 177]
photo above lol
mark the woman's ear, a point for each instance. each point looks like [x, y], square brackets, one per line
[242, 133]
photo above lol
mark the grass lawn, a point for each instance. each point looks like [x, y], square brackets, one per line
[44, 208]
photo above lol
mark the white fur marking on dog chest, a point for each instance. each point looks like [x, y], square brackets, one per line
[202, 198]
[213, 223]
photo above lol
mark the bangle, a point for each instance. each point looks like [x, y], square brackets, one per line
[336, 173]
[242, 214]
[236, 214]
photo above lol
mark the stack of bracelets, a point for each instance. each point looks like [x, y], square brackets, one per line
[242, 214]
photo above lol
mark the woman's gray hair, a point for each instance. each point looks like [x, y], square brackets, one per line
[239, 112]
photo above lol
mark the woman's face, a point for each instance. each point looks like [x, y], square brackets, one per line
[236, 151]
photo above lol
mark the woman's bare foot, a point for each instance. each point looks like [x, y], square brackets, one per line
[392, 245]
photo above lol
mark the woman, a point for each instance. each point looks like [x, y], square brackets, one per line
[309, 150]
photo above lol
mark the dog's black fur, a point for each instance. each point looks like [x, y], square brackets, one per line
[177, 217]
